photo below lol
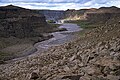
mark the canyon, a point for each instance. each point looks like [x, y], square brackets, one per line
[94, 53]
[23, 28]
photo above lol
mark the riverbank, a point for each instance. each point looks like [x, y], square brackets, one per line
[60, 37]
[27, 48]
[13, 47]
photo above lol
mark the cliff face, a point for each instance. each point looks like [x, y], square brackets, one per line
[112, 9]
[52, 14]
[82, 14]
[100, 17]
[102, 14]
[20, 22]
[75, 14]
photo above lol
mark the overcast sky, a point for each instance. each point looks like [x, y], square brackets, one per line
[61, 4]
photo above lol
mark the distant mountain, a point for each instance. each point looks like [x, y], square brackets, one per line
[11, 7]
[112, 7]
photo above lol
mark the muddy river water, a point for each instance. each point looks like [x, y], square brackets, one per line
[59, 37]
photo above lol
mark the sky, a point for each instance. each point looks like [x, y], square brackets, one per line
[61, 4]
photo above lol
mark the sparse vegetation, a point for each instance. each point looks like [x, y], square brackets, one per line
[84, 24]
[54, 25]
[51, 21]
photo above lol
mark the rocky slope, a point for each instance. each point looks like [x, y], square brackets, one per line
[93, 56]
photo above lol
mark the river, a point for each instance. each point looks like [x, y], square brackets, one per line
[59, 37]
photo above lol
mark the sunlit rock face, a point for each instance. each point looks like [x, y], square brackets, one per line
[82, 14]
[20, 22]
[103, 13]
[72, 14]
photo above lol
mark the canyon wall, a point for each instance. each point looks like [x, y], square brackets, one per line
[19, 22]
[53, 14]
[95, 15]
[102, 14]
[72, 14]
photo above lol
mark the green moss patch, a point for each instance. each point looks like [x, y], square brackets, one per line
[84, 24]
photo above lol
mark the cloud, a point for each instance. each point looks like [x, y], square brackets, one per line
[46, 1]
[61, 4]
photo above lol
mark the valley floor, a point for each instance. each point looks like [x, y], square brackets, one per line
[94, 55]
[13, 47]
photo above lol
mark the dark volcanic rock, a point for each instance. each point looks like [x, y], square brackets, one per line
[20, 22]
[73, 77]
[102, 14]
[34, 76]
[100, 17]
